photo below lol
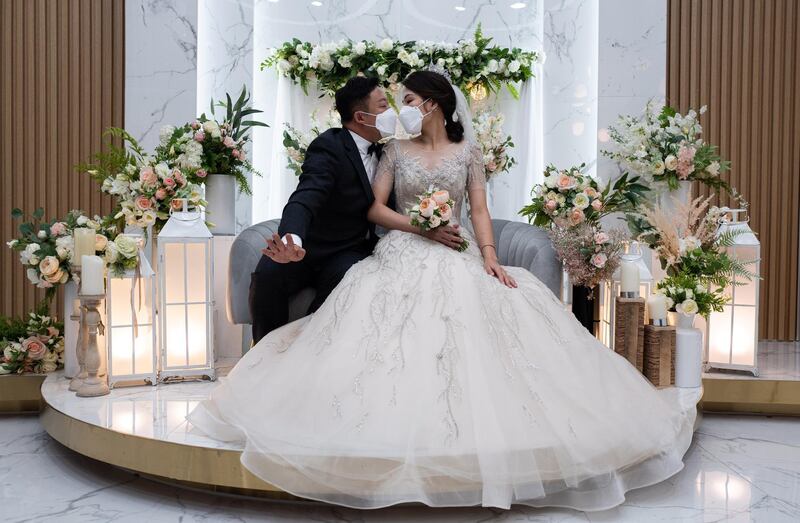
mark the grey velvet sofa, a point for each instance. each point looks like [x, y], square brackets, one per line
[518, 245]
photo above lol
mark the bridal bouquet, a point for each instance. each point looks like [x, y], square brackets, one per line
[686, 294]
[435, 209]
[589, 255]
[207, 146]
[34, 346]
[568, 197]
[494, 143]
[665, 146]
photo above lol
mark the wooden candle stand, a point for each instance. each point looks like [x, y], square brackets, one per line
[659, 355]
[629, 330]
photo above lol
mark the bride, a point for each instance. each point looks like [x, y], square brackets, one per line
[437, 376]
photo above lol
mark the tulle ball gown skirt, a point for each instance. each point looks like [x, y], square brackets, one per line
[423, 379]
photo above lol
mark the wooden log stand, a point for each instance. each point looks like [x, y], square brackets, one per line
[659, 355]
[629, 330]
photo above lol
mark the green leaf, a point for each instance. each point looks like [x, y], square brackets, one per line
[16, 213]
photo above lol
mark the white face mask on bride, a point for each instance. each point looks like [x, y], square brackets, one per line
[385, 122]
[411, 117]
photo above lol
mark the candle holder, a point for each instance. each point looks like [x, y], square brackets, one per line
[93, 385]
[630, 295]
[660, 322]
[80, 353]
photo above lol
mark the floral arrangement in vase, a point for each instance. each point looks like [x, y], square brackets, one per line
[146, 187]
[473, 64]
[686, 294]
[32, 346]
[569, 197]
[46, 247]
[207, 146]
[494, 143]
[589, 254]
[664, 146]
[687, 243]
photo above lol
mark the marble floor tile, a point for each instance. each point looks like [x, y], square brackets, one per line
[739, 468]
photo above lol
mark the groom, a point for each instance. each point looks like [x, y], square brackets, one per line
[324, 228]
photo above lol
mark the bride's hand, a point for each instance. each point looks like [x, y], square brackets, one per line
[493, 268]
[447, 235]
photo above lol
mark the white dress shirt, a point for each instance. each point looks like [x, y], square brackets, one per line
[370, 162]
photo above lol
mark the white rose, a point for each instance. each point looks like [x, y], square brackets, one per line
[32, 248]
[687, 307]
[82, 220]
[33, 260]
[434, 221]
[41, 235]
[210, 126]
[670, 303]
[360, 48]
[658, 167]
[514, 66]
[689, 293]
[284, 66]
[386, 45]
[699, 289]
[33, 276]
[126, 245]
[670, 162]
[111, 253]
[345, 62]
[492, 66]
[581, 201]
[381, 70]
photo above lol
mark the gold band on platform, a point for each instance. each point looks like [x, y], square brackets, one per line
[21, 393]
[198, 467]
[751, 396]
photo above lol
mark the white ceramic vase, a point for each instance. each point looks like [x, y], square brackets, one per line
[688, 358]
[221, 208]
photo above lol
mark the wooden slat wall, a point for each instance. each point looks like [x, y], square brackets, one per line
[63, 76]
[740, 57]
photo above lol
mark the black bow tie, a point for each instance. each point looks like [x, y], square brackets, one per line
[375, 148]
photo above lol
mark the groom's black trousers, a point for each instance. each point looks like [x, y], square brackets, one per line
[272, 284]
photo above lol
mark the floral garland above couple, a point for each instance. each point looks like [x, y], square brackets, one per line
[495, 144]
[472, 63]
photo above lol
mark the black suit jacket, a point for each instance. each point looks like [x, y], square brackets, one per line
[328, 210]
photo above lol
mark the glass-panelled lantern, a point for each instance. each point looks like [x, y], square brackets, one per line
[733, 333]
[131, 325]
[627, 282]
[186, 302]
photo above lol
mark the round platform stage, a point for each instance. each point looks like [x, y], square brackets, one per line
[144, 430]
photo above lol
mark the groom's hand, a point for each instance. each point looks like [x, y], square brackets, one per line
[448, 235]
[279, 252]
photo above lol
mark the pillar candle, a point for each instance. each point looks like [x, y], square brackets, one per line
[657, 307]
[630, 276]
[92, 277]
[83, 239]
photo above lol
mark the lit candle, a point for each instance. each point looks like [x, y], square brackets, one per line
[630, 278]
[83, 239]
[92, 275]
[657, 307]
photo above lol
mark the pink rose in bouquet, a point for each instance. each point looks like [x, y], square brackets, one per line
[34, 347]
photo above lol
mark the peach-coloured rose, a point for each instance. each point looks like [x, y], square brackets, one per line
[169, 182]
[440, 197]
[176, 204]
[58, 229]
[491, 166]
[576, 216]
[199, 136]
[228, 142]
[161, 193]
[148, 177]
[100, 242]
[179, 178]
[445, 212]
[591, 192]
[201, 173]
[599, 260]
[143, 202]
[52, 331]
[34, 347]
[60, 276]
[427, 206]
[597, 205]
[49, 265]
[551, 205]
[565, 182]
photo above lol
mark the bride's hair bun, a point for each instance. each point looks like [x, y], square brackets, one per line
[429, 84]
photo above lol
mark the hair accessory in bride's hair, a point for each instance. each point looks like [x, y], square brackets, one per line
[436, 68]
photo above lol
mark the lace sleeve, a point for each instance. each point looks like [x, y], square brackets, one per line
[476, 173]
[384, 173]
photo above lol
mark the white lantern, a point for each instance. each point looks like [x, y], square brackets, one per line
[131, 326]
[609, 290]
[186, 302]
[733, 333]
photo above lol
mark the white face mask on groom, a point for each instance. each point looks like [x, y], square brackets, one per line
[385, 122]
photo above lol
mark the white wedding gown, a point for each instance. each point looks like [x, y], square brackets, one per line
[423, 379]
